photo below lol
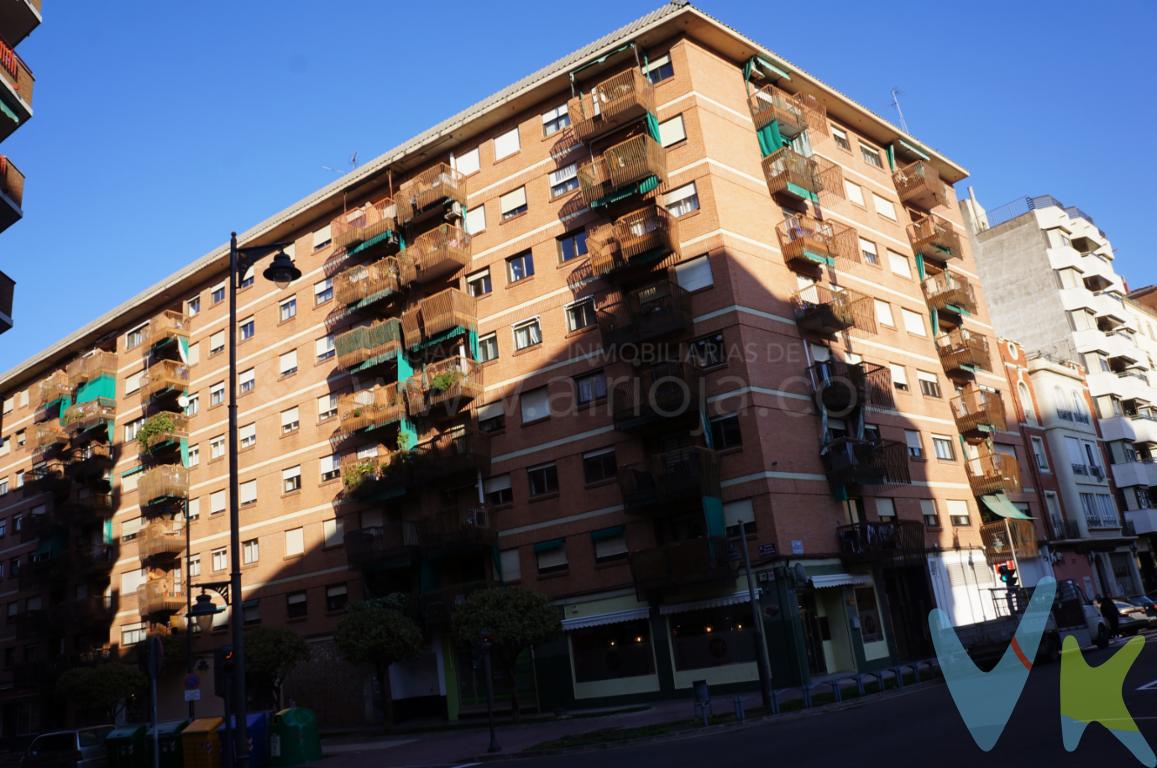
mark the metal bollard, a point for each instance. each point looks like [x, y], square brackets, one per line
[740, 715]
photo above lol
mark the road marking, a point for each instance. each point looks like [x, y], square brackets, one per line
[465, 765]
[1149, 686]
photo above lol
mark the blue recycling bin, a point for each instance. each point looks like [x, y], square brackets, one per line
[258, 731]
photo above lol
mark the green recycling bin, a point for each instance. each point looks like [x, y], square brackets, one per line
[294, 738]
[169, 740]
[126, 747]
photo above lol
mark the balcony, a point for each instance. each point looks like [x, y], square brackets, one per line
[789, 173]
[362, 285]
[390, 545]
[458, 531]
[961, 350]
[875, 542]
[770, 104]
[453, 453]
[18, 18]
[91, 414]
[993, 472]
[437, 605]
[166, 328]
[372, 408]
[46, 435]
[17, 91]
[364, 227]
[652, 312]
[843, 387]
[920, 185]
[161, 538]
[950, 291]
[367, 345]
[434, 192]
[164, 377]
[46, 477]
[935, 237]
[90, 367]
[94, 609]
[1144, 521]
[1008, 539]
[7, 295]
[446, 314]
[680, 564]
[448, 384]
[163, 429]
[827, 310]
[52, 389]
[669, 481]
[667, 394]
[162, 483]
[806, 242]
[851, 461]
[633, 166]
[1132, 473]
[439, 253]
[614, 102]
[639, 238]
[11, 193]
[90, 461]
[159, 596]
[978, 411]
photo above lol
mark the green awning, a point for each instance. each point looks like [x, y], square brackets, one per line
[549, 546]
[606, 534]
[913, 149]
[9, 113]
[1000, 504]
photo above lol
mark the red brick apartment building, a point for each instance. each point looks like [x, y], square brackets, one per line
[580, 337]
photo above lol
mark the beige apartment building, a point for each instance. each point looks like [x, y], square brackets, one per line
[667, 292]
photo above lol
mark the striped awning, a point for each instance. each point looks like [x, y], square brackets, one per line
[1001, 505]
[602, 619]
[828, 580]
[713, 602]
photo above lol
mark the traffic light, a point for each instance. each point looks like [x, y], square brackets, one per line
[1007, 573]
[223, 661]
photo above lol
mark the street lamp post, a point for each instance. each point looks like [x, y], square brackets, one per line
[487, 641]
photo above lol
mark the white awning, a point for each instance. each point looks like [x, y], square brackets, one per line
[602, 619]
[714, 602]
[840, 580]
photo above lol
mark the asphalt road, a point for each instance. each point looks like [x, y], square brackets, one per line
[910, 728]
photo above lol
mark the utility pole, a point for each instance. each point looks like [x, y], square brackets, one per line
[763, 663]
[900, 112]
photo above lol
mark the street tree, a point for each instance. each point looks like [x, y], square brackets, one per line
[101, 689]
[378, 633]
[271, 653]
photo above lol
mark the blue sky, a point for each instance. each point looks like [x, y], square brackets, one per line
[159, 128]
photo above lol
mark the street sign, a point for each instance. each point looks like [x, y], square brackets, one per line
[192, 681]
[193, 694]
[766, 550]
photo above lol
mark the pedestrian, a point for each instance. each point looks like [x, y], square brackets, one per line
[1112, 616]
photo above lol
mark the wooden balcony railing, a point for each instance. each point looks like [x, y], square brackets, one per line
[91, 366]
[435, 315]
[806, 242]
[962, 350]
[360, 346]
[618, 168]
[788, 172]
[870, 542]
[633, 238]
[167, 481]
[853, 461]
[842, 387]
[11, 181]
[47, 434]
[667, 393]
[770, 103]
[680, 564]
[1008, 540]
[978, 410]
[363, 224]
[161, 538]
[668, 481]
[993, 472]
[371, 408]
[447, 384]
[46, 477]
[430, 192]
[821, 310]
[919, 184]
[52, 388]
[166, 328]
[935, 237]
[361, 285]
[380, 546]
[166, 427]
[949, 290]
[455, 452]
[439, 252]
[159, 595]
[16, 74]
[454, 530]
[164, 377]
[360, 470]
[90, 414]
[652, 312]
[616, 101]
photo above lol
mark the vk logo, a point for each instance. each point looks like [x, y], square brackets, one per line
[985, 700]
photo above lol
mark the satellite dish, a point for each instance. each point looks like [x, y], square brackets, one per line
[183, 401]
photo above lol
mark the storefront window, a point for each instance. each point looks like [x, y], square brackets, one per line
[615, 650]
[712, 637]
[870, 629]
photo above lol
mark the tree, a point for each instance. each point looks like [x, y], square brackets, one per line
[376, 632]
[101, 688]
[516, 618]
[271, 653]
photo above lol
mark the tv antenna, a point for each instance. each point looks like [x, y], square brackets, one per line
[353, 163]
[900, 112]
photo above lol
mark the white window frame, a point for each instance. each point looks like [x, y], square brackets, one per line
[507, 144]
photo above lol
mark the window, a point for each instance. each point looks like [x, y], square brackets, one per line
[928, 510]
[885, 509]
[322, 291]
[133, 382]
[659, 70]
[329, 467]
[475, 221]
[555, 120]
[510, 566]
[193, 306]
[296, 605]
[535, 405]
[130, 529]
[899, 265]
[324, 348]
[725, 432]
[217, 394]
[929, 384]
[564, 180]
[194, 455]
[520, 266]
[498, 490]
[915, 444]
[506, 144]
[527, 334]
[217, 447]
[1038, 451]
[287, 363]
[132, 634]
[21, 437]
[291, 479]
[899, 376]
[942, 447]
[591, 387]
[326, 406]
[682, 201]
[542, 479]
[708, 351]
[478, 283]
[884, 313]
[248, 328]
[9, 405]
[194, 566]
[250, 552]
[336, 597]
[294, 542]
[884, 207]
[841, 138]
[512, 204]
[958, 512]
[672, 131]
[580, 315]
[3, 492]
[194, 354]
[217, 293]
[913, 322]
[468, 162]
[246, 279]
[135, 337]
[738, 514]
[219, 561]
[247, 436]
[610, 544]
[599, 466]
[216, 343]
[287, 310]
[1076, 455]
[132, 428]
[247, 492]
[871, 155]
[290, 420]
[216, 502]
[488, 347]
[20, 484]
[194, 510]
[551, 556]
[247, 381]
[332, 532]
[694, 274]
[572, 245]
[854, 192]
[491, 417]
[1026, 403]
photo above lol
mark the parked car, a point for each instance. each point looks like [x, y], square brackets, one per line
[77, 748]
[1133, 617]
[1149, 604]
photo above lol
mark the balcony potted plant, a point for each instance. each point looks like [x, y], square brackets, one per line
[154, 430]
